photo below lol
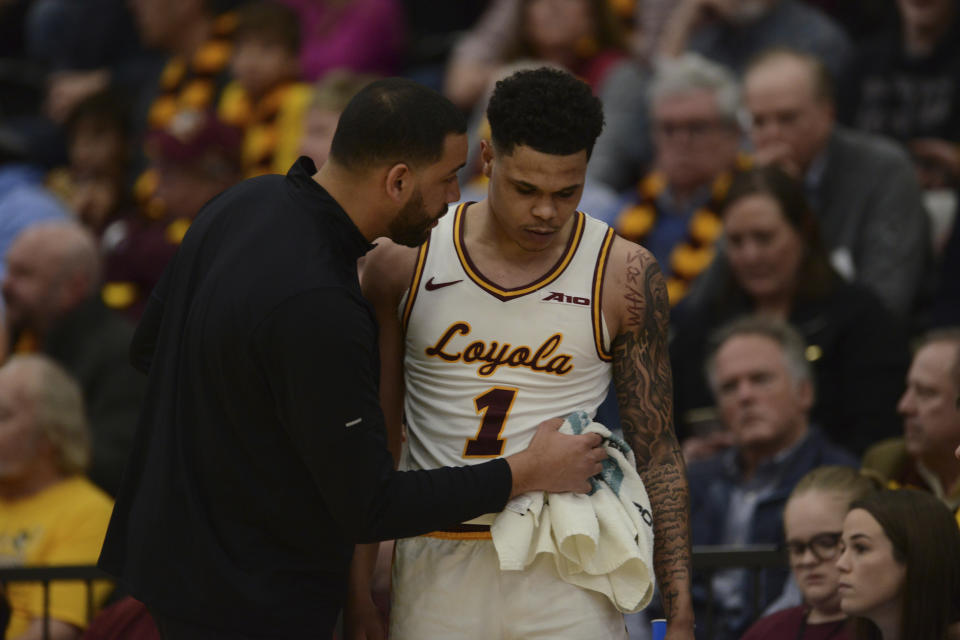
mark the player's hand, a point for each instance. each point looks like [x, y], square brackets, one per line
[557, 462]
[362, 619]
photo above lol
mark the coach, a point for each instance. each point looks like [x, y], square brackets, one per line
[260, 457]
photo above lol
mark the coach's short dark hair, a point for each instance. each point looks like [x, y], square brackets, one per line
[394, 120]
[545, 109]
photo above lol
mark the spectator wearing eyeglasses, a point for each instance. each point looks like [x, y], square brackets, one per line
[762, 383]
[813, 525]
[674, 210]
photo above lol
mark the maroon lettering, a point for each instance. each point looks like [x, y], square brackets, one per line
[437, 349]
[495, 355]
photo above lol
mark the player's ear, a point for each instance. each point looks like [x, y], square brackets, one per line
[398, 182]
[486, 157]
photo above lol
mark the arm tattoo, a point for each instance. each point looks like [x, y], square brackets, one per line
[641, 371]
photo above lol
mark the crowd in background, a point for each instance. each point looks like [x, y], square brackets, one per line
[793, 165]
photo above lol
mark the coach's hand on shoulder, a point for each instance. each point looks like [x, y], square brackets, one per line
[556, 462]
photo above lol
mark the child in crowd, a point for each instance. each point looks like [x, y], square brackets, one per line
[94, 184]
[330, 98]
[266, 99]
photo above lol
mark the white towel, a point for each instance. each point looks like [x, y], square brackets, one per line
[602, 541]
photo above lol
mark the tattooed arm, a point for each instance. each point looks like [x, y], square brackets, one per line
[637, 312]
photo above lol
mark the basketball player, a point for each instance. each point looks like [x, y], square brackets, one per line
[518, 308]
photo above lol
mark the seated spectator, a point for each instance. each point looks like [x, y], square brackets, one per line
[813, 523]
[861, 186]
[266, 100]
[551, 33]
[903, 84]
[198, 46]
[78, 60]
[923, 458]
[364, 36]
[732, 32]
[674, 210]
[330, 98]
[24, 201]
[192, 161]
[764, 390]
[95, 182]
[52, 307]
[193, 47]
[727, 32]
[50, 514]
[900, 567]
[582, 36]
[775, 264]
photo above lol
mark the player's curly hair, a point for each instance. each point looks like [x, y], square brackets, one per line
[545, 109]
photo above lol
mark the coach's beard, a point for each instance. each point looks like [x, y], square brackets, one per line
[412, 225]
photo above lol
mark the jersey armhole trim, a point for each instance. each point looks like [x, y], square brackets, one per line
[598, 276]
[415, 283]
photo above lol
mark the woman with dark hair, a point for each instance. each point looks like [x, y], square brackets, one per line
[900, 567]
[775, 264]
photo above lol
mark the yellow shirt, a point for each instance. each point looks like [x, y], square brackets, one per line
[62, 525]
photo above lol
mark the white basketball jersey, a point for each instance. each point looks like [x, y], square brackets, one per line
[485, 365]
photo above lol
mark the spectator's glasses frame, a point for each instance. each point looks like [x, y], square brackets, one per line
[824, 546]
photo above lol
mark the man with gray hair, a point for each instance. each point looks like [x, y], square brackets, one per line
[764, 390]
[51, 290]
[674, 209]
[729, 32]
[50, 514]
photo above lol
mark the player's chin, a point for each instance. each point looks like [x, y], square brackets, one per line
[536, 240]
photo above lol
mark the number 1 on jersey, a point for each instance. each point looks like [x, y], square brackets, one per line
[495, 406]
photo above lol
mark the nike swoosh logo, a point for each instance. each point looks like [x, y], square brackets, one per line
[433, 286]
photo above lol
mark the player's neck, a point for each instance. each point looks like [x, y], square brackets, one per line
[500, 256]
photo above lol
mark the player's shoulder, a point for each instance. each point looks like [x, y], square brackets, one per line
[626, 259]
[387, 269]
[632, 282]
